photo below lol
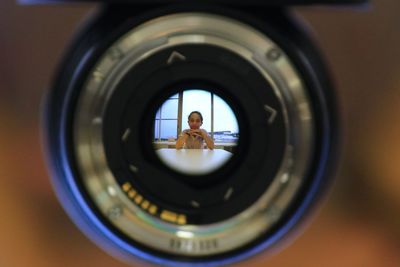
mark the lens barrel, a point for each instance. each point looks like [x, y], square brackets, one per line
[99, 122]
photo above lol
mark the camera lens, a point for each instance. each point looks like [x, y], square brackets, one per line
[187, 137]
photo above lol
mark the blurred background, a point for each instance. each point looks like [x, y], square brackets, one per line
[358, 224]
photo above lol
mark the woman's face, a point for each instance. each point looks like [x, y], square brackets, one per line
[195, 121]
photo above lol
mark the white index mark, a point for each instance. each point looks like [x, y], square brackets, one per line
[174, 57]
[284, 178]
[272, 113]
[126, 134]
[111, 191]
[133, 168]
[228, 193]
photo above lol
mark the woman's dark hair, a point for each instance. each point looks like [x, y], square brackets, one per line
[198, 112]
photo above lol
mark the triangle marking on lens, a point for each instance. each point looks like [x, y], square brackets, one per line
[271, 112]
[126, 134]
[175, 56]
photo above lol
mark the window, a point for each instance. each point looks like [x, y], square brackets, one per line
[167, 120]
[218, 118]
[196, 100]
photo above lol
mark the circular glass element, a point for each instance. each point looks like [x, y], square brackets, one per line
[195, 132]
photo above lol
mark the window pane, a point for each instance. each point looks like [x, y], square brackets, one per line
[197, 100]
[224, 118]
[156, 129]
[225, 124]
[169, 129]
[169, 109]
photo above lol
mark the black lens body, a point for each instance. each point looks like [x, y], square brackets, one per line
[280, 3]
[259, 154]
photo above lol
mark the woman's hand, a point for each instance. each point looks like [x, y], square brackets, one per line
[197, 133]
[203, 133]
[182, 139]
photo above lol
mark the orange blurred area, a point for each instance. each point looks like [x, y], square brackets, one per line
[358, 224]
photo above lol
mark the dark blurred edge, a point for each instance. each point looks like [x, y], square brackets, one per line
[234, 2]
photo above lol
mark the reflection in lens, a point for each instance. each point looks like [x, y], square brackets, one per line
[195, 132]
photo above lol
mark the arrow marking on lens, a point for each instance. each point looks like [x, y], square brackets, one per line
[126, 135]
[175, 56]
[195, 204]
[272, 113]
[228, 193]
[133, 168]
